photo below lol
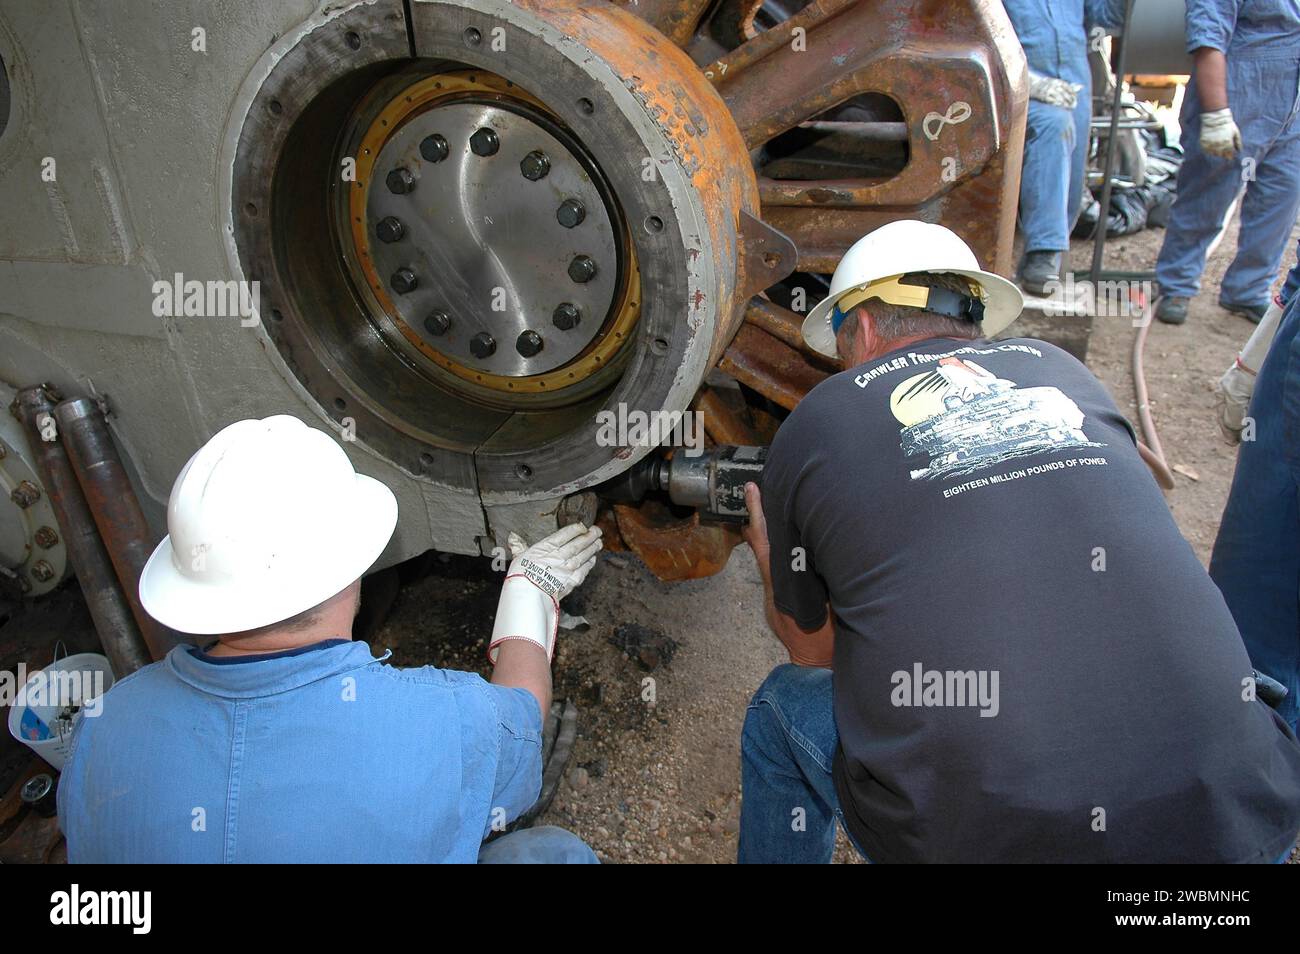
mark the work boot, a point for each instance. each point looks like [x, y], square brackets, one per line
[1039, 269]
[1252, 313]
[1172, 309]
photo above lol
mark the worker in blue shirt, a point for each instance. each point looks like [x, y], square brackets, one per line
[1054, 34]
[282, 740]
[1239, 130]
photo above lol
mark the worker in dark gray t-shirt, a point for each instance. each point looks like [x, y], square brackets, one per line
[1002, 648]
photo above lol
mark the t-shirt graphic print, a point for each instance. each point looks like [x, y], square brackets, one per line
[959, 418]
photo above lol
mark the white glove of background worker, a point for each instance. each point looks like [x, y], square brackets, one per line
[1219, 134]
[539, 577]
[1056, 92]
[1238, 382]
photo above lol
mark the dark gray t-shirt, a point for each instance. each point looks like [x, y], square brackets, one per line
[1030, 663]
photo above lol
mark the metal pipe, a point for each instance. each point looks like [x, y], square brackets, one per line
[776, 321]
[112, 501]
[118, 633]
[1128, 124]
[1112, 147]
[874, 131]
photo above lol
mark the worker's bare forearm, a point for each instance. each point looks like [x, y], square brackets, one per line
[806, 648]
[763, 560]
[523, 665]
[1211, 78]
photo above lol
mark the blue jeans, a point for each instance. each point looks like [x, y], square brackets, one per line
[1292, 283]
[546, 845]
[788, 805]
[1256, 560]
[1051, 180]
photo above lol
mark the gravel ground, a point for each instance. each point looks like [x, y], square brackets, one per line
[655, 772]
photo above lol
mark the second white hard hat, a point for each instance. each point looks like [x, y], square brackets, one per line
[899, 248]
[267, 519]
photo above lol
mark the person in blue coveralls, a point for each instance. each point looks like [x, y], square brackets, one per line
[1054, 34]
[1239, 131]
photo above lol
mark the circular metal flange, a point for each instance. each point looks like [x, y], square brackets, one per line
[633, 103]
[487, 250]
[481, 234]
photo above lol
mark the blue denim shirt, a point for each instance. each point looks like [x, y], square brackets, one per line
[1245, 28]
[322, 754]
[1054, 33]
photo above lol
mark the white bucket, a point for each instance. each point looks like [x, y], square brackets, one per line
[53, 699]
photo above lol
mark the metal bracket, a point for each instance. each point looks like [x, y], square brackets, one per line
[766, 256]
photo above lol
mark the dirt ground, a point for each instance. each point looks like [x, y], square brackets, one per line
[1182, 363]
[658, 781]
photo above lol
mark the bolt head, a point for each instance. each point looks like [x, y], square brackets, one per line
[400, 181]
[390, 229]
[529, 343]
[25, 494]
[437, 323]
[403, 281]
[45, 537]
[434, 148]
[484, 142]
[482, 345]
[42, 572]
[535, 165]
[566, 316]
[570, 213]
[582, 269]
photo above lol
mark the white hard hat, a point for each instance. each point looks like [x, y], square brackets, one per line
[897, 249]
[267, 520]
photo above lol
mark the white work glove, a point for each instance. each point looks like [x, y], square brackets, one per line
[539, 577]
[1219, 134]
[1234, 391]
[1237, 385]
[1056, 92]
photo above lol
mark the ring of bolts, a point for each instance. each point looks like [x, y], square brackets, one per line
[534, 166]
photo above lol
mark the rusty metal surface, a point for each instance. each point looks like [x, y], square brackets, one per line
[689, 111]
[734, 21]
[780, 323]
[675, 19]
[675, 548]
[771, 367]
[123, 644]
[726, 419]
[929, 57]
[112, 502]
[766, 256]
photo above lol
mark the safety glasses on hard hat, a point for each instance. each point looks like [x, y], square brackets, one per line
[940, 301]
